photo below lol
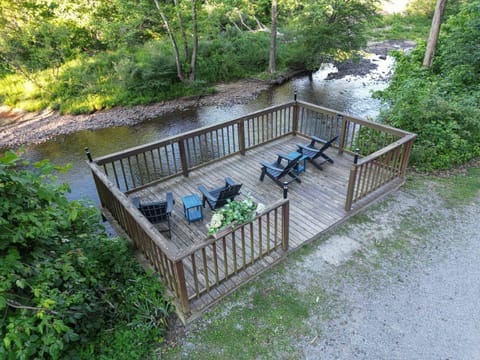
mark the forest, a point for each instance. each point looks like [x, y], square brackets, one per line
[82, 56]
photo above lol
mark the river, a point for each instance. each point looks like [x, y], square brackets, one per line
[349, 94]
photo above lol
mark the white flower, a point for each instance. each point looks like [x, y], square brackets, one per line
[260, 208]
[216, 220]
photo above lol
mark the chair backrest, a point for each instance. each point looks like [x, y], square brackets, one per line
[228, 193]
[155, 212]
[291, 164]
[326, 144]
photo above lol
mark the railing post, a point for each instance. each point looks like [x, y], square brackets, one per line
[183, 157]
[89, 156]
[285, 190]
[295, 114]
[241, 136]
[285, 225]
[181, 287]
[406, 156]
[343, 135]
[351, 187]
[355, 157]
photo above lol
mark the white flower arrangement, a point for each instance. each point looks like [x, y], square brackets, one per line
[233, 213]
[260, 208]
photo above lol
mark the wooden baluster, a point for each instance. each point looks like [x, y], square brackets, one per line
[183, 157]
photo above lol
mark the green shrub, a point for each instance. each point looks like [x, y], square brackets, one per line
[440, 104]
[66, 289]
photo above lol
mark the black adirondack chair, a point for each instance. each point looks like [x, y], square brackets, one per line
[157, 212]
[277, 170]
[313, 153]
[216, 198]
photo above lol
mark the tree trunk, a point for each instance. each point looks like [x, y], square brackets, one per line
[273, 38]
[193, 64]
[173, 41]
[182, 29]
[434, 32]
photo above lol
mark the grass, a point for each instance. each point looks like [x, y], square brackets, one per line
[260, 327]
[400, 27]
[460, 189]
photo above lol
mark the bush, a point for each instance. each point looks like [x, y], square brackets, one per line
[66, 289]
[232, 56]
[440, 104]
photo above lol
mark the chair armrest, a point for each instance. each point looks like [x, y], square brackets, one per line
[229, 182]
[136, 202]
[206, 193]
[285, 156]
[270, 166]
[317, 139]
[301, 147]
[170, 202]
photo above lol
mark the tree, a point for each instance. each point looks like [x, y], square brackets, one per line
[273, 38]
[434, 32]
[327, 29]
[181, 73]
[64, 284]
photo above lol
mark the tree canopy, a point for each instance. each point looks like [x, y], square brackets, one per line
[440, 103]
[85, 55]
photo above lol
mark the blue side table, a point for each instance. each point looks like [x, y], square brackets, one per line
[192, 208]
[300, 168]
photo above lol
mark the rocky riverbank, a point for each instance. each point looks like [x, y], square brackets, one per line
[19, 127]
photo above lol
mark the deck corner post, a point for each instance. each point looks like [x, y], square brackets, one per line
[181, 287]
[406, 156]
[343, 134]
[241, 136]
[183, 157]
[285, 225]
[351, 187]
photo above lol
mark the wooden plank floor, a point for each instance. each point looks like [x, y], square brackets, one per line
[315, 205]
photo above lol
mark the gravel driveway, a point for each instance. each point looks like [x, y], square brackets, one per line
[411, 295]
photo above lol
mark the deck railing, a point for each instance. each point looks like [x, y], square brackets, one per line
[148, 164]
[382, 154]
[212, 261]
[383, 150]
[219, 258]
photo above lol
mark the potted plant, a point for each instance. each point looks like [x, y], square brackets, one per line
[234, 213]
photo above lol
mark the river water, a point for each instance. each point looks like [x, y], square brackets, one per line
[350, 94]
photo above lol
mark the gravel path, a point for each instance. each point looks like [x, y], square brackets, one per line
[419, 301]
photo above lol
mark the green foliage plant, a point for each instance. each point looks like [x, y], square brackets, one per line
[66, 289]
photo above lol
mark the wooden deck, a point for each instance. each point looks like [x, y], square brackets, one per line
[316, 204]
[199, 270]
